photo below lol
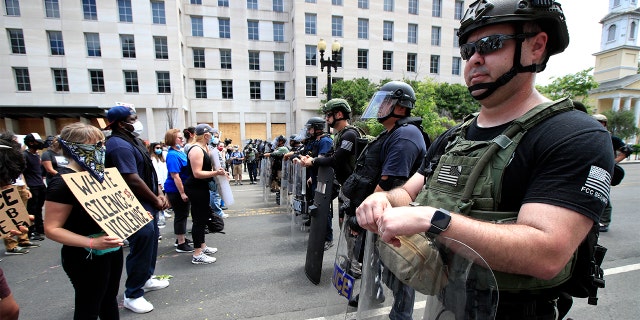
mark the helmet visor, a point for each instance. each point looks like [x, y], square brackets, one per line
[381, 105]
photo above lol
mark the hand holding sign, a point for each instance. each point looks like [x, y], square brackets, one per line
[14, 218]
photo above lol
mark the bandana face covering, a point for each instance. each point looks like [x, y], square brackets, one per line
[89, 156]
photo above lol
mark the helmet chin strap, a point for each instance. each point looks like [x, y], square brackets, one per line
[515, 69]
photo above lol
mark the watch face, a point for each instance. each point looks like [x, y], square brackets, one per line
[440, 221]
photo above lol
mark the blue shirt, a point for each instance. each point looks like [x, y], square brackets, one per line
[176, 163]
[401, 151]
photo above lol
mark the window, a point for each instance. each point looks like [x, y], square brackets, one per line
[161, 47]
[456, 63]
[252, 30]
[254, 90]
[92, 41]
[227, 89]
[60, 80]
[89, 9]
[387, 60]
[12, 7]
[412, 33]
[252, 4]
[279, 92]
[225, 58]
[278, 61]
[363, 4]
[254, 60]
[387, 31]
[436, 8]
[435, 64]
[632, 30]
[310, 55]
[412, 58]
[124, 11]
[16, 38]
[195, 2]
[198, 58]
[201, 88]
[435, 36]
[459, 10]
[224, 28]
[97, 80]
[363, 28]
[197, 29]
[388, 5]
[456, 40]
[336, 26]
[311, 87]
[128, 46]
[56, 43]
[23, 83]
[51, 8]
[164, 81]
[157, 11]
[336, 2]
[278, 5]
[413, 6]
[223, 3]
[363, 58]
[131, 81]
[611, 35]
[310, 21]
[278, 31]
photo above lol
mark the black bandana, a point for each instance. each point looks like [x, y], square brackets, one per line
[89, 156]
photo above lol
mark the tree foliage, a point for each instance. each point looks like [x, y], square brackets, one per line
[454, 101]
[621, 123]
[357, 92]
[571, 85]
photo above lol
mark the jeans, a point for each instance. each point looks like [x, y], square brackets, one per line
[214, 198]
[141, 260]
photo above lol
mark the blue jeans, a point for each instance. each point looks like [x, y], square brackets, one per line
[214, 198]
[141, 260]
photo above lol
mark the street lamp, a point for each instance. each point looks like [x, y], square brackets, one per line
[332, 61]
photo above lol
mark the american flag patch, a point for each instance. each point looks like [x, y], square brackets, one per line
[598, 182]
[449, 174]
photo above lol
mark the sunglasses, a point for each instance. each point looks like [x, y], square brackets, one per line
[489, 44]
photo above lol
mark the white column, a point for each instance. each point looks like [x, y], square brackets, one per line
[636, 109]
[616, 104]
[627, 104]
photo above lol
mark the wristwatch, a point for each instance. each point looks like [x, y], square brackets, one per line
[439, 222]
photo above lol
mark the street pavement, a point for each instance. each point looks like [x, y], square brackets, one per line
[259, 272]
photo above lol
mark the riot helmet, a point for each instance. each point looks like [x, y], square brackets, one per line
[546, 14]
[388, 96]
[316, 126]
[334, 105]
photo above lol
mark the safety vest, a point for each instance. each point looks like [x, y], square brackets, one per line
[468, 180]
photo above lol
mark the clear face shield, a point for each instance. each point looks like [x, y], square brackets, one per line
[380, 106]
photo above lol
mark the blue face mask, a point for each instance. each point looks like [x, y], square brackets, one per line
[214, 141]
[158, 151]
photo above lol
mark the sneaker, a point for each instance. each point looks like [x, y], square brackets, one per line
[209, 250]
[155, 284]
[327, 245]
[184, 247]
[28, 245]
[202, 259]
[138, 305]
[35, 236]
[16, 250]
[187, 241]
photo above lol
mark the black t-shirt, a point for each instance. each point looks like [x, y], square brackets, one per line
[340, 160]
[557, 162]
[79, 220]
[33, 171]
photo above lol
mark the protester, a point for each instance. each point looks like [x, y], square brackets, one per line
[91, 259]
[237, 157]
[215, 200]
[553, 185]
[52, 158]
[33, 179]
[160, 166]
[197, 189]
[127, 153]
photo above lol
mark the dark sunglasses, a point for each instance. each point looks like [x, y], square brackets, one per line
[489, 44]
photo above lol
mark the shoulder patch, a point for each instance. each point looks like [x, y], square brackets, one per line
[598, 184]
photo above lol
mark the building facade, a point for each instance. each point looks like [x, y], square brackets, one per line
[248, 67]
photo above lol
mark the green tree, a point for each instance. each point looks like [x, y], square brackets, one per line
[621, 123]
[454, 101]
[357, 92]
[571, 85]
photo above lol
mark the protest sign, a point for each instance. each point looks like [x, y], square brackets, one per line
[13, 213]
[111, 203]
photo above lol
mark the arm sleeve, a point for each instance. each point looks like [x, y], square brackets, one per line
[342, 154]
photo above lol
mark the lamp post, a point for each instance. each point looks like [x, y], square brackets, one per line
[330, 62]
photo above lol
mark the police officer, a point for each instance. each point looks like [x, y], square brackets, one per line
[553, 186]
[388, 162]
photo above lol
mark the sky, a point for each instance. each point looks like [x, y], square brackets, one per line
[585, 30]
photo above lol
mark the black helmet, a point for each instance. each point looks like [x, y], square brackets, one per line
[280, 138]
[546, 13]
[337, 104]
[388, 96]
[317, 124]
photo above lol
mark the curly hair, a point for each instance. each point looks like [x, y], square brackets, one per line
[11, 159]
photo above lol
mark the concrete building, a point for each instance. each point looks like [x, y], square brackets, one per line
[250, 67]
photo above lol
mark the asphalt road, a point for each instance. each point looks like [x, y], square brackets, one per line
[259, 272]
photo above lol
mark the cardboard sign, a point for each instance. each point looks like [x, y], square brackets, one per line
[110, 203]
[13, 213]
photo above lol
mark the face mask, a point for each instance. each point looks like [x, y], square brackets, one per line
[158, 151]
[89, 156]
[137, 128]
[214, 141]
